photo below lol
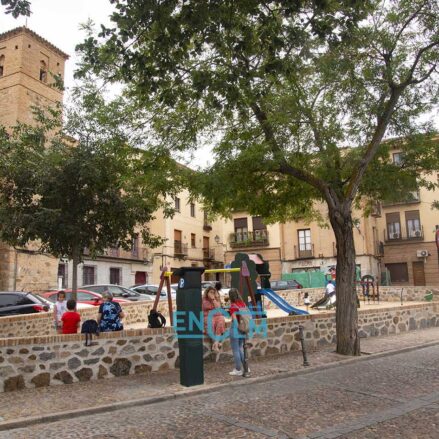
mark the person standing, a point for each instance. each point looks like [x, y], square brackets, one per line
[237, 340]
[110, 314]
[212, 302]
[58, 310]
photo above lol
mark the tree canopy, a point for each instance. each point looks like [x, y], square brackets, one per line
[81, 184]
[17, 7]
[296, 97]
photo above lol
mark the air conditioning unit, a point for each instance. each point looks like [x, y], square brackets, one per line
[421, 253]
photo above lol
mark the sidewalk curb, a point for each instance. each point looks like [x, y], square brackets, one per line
[199, 390]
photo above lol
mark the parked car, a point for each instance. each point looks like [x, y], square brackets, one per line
[118, 292]
[18, 302]
[151, 290]
[277, 285]
[82, 296]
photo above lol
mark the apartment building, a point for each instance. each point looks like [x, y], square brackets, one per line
[191, 240]
[299, 246]
[407, 230]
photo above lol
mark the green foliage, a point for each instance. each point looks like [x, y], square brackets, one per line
[280, 89]
[81, 184]
[17, 7]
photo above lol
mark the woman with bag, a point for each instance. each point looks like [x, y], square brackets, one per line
[212, 302]
[237, 337]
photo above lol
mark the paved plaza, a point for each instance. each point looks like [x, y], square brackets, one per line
[388, 395]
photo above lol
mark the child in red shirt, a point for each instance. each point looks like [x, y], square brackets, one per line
[70, 319]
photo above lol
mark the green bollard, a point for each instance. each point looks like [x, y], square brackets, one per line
[188, 322]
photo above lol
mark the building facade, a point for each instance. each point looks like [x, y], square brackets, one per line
[407, 230]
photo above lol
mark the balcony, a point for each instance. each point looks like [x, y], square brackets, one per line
[257, 238]
[208, 254]
[412, 197]
[207, 227]
[303, 254]
[379, 249]
[180, 249]
[412, 235]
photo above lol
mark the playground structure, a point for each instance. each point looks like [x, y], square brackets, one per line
[244, 272]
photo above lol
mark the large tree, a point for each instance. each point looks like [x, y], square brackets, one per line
[296, 97]
[82, 182]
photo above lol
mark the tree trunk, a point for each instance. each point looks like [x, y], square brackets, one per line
[348, 342]
[76, 261]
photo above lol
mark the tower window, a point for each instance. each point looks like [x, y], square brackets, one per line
[2, 65]
[43, 71]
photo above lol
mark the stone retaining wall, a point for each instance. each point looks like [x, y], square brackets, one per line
[387, 294]
[50, 360]
[42, 323]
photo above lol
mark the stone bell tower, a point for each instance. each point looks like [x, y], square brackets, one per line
[28, 64]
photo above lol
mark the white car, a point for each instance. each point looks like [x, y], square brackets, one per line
[152, 291]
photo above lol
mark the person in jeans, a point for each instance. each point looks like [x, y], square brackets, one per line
[236, 339]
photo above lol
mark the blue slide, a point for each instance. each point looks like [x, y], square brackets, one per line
[281, 303]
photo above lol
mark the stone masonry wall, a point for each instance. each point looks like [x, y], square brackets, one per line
[52, 360]
[387, 294]
[42, 323]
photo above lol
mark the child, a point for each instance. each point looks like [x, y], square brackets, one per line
[59, 309]
[70, 319]
[306, 300]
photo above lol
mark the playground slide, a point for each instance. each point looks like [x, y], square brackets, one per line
[324, 302]
[281, 303]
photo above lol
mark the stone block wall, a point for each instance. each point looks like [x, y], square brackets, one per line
[387, 294]
[51, 360]
[42, 323]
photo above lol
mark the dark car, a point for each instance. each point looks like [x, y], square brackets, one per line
[118, 292]
[277, 285]
[18, 302]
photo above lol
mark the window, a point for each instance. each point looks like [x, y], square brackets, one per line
[398, 158]
[304, 239]
[193, 240]
[241, 229]
[2, 65]
[305, 246]
[398, 272]
[62, 273]
[193, 210]
[413, 224]
[177, 204]
[393, 225]
[43, 71]
[88, 275]
[135, 247]
[8, 300]
[115, 276]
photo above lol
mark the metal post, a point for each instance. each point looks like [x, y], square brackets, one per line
[402, 289]
[302, 342]
[246, 373]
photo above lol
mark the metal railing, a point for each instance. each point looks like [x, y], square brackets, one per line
[180, 249]
[257, 238]
[303, 254]
[409, 235]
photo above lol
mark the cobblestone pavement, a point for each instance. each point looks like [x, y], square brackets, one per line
[49, 400]
[387, 397]
[292, 407]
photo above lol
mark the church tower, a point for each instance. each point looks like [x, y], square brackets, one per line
[28, 66]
